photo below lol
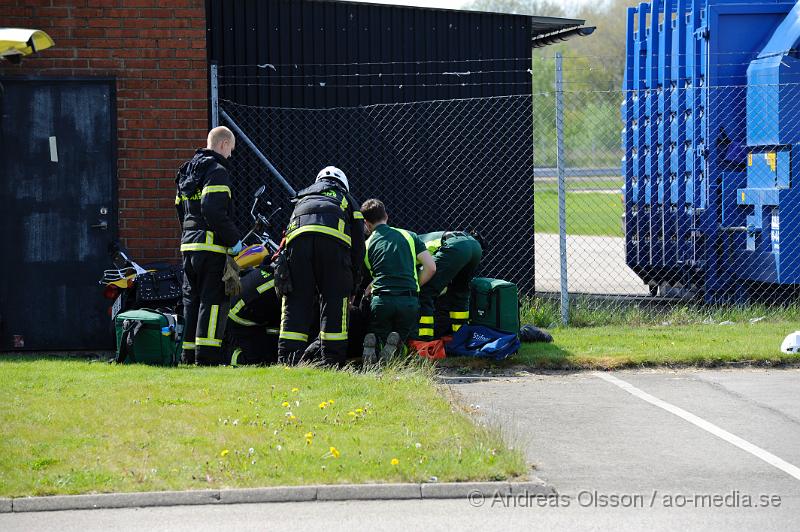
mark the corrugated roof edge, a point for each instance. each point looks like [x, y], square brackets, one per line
[539, 25]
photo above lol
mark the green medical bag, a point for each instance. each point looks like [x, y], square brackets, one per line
[494, 303]
[147, 336]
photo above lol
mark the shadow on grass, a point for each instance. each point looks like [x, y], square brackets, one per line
[533, 356]
[86, 356]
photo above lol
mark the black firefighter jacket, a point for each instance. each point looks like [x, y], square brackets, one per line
[203, 201]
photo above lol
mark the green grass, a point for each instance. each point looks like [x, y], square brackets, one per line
[616, 347]
[602, 336]
[676, 345]
[588, 213]
[590, 312]
[71, 427]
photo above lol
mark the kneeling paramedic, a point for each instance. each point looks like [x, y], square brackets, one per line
[203, 201]
[392, 259]
[253, 320]
[457, 255]
[323, 251]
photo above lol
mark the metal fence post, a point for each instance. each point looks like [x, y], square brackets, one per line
[241, 134]
[562, 189]
[214, 95]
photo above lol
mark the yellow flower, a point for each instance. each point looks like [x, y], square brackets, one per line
[330, 401]
[335, 452]
[358, 410]
[323, 405]
[224, 453]
[309, 435]
[285, 404]
[292, 418]
[351, 413]
[395, 461]
[295, 390]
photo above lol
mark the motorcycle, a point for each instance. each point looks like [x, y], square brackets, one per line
[254, 254]
[131, 286]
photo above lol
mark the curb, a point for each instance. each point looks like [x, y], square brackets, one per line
[335, 492]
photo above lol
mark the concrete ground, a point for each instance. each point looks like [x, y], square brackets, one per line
[595, 265]
[619, 457]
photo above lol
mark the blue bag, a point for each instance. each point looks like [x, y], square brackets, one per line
[480, 341]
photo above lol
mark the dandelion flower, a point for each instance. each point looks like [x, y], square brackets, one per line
[309, 435]
[295, 390]
[359, 410]
[323, 405]
[395, 461]
[224, 453]
[285, 404]
[330, 401]
[279, 447]
[251, 450]
[292, 418]
[335, 452]
[351, 413]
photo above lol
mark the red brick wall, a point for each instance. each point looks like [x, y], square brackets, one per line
[156, 50]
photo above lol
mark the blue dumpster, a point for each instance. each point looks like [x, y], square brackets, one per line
[712, 91]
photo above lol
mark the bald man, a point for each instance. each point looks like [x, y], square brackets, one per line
[203, 200]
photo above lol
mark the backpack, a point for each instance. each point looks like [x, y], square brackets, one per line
[495, 304]
[147, 336]
[479, 341]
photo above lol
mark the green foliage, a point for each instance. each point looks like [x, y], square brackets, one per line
[521, 7]
[593, 75]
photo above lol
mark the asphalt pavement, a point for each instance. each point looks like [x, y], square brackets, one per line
[662, 450]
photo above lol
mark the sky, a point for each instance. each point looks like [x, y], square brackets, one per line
[454, 4]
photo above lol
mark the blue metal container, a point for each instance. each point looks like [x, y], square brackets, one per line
[708, 135]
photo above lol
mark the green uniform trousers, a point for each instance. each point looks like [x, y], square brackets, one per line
[396, 313]
[456, 263]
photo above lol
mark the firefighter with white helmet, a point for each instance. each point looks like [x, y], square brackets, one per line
[323, 251]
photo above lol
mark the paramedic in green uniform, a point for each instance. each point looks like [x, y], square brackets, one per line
[392, 258]
[457, 255]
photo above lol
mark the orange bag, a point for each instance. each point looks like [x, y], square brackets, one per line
[431, 350]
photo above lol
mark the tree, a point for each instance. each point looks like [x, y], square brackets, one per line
[543, 8]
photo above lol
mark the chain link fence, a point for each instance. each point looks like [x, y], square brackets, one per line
[664, 202]
[461, 164]
[676, 196]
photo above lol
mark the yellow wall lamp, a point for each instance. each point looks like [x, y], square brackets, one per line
[16, 43]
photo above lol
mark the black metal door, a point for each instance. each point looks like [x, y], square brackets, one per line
[58, 212]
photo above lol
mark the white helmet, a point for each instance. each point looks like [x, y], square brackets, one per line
[331, 172]
[791, 344]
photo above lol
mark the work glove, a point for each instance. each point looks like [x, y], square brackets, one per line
[230, 276]
[236, 248]
[282, 274]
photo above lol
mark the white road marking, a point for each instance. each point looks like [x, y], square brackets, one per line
[756, 451]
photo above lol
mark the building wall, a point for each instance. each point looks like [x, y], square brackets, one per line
[156, 51]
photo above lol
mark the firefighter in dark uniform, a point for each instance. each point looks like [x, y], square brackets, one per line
[457, 255]
[254, 320]
[203, 201]
[324, 248]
